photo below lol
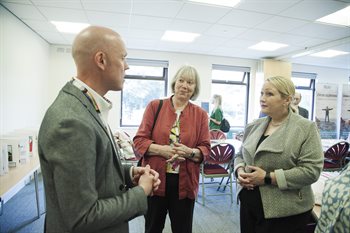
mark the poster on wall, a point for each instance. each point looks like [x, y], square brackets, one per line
[326, 110]
[345, 112]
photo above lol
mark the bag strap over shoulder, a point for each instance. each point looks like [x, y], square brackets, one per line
[139, 163]
[157, 113]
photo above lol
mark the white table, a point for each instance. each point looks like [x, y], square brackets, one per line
[16, 175]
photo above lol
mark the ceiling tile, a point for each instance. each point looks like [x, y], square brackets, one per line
[224, 30]
[197, 49]
[188, 26]
[290, 39]
[145, 34]
[230, 52]
[202, 13]
[243, 18]
[269, 7]
[24, 11]
[312, 10]
[258, 35]
[69, 37]
[152, 23]
[62, 14]
[136, 43]
[28, 2]
[170, 46]
[238, 43]
[210, 40]
[39, 25]
[322, 31]
[53, 37]
[108, 19]
[280, 24]
[72, 4]
[162, 8]
[108, 6]
[310, 42]
[337, 61]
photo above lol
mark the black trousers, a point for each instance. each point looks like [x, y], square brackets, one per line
[253, 221]
[180, 211]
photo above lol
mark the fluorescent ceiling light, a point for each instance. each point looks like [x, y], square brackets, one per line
[329, 53]
[301, 54]
[229, 3]
[176, 36]
[69, 27]
[341, 17]
[267, 46]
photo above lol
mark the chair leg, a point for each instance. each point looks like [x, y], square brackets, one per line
[222, 179]
[203, 191]
[228, 180]
[231, 191]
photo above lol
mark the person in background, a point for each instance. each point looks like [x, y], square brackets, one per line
[281, 156]
[300, 110]
[216, 115]
[87, 188]
[178, 144]
[335, 210]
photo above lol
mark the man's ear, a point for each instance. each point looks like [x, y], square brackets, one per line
[100, 60]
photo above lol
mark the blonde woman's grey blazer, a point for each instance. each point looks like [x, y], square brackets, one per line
[294, 153]
[86, 185]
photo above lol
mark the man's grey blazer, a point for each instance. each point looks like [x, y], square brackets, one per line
[86, 186]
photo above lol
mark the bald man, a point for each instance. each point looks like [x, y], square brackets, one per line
[87, 188]
[302, 111]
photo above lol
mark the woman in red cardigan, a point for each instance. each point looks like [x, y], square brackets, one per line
[174, 148]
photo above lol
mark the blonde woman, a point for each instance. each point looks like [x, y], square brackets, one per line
[216, 115]
[281, 156]
[175, 149]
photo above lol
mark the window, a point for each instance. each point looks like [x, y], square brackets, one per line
[145, 80]
[305, 84]
[232, 83]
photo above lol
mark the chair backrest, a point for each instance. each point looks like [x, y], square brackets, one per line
[221, 153]
[338, 151]
[217, 134]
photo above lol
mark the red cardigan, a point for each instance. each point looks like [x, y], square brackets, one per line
[194, 133]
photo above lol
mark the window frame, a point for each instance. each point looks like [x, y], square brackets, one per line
[244, 82]
[311, 87]
[142, 62]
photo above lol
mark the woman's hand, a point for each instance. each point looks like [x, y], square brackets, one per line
[242, 180]
[167, 151]
[177, 158]
[182, 150]
[170, 153]
[251, 179]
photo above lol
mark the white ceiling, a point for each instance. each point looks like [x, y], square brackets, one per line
[224, 31]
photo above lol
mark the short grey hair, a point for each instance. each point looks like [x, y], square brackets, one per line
[189, 71]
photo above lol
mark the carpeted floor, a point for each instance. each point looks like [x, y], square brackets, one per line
[218, 215]
[21, 210]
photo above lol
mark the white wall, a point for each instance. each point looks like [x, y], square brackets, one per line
[23, 74]
[325, 74]
[62, 69]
